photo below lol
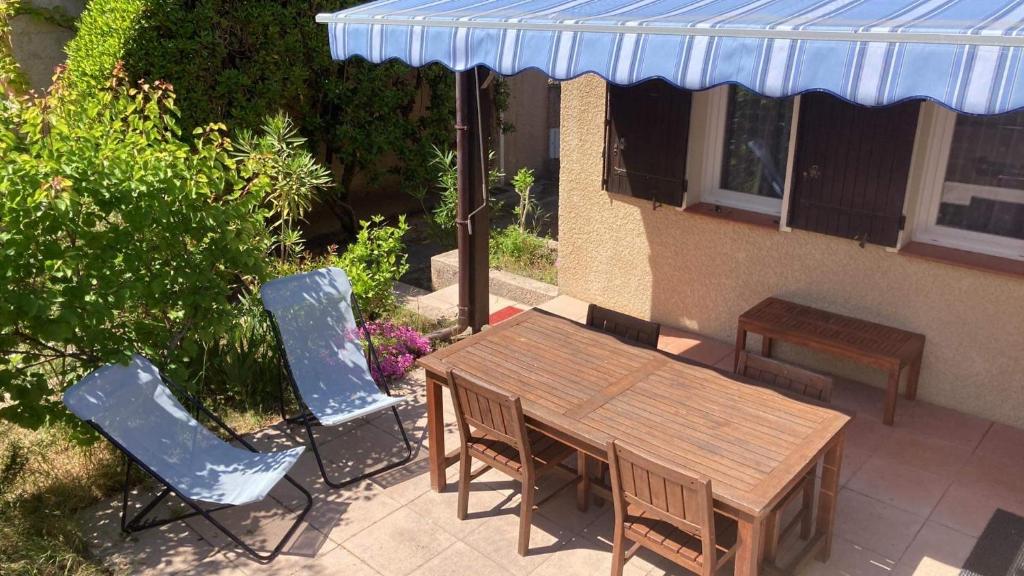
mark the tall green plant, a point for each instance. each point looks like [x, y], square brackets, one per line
[12, 81]
[374, 262]
[523, 183]
[115, 236]
[280, 166]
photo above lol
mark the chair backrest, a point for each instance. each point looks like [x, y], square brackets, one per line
[137, 411]
[644, 482]
[785, 376]
[316, 325]
[623, 325]
[483, 409]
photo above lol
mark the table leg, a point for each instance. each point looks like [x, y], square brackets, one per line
[741, 345]
[892, 390]
[435, 432]
[748, 551]
[912, 376]
[828, 496]
[583, 488]
[766, 347]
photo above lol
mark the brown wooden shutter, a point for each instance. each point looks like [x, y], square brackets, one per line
[648, 126]
[851, 168]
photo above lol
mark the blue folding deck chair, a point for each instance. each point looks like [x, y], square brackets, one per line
[314, 318]
[133, 407]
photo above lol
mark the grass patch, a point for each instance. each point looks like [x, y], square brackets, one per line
[45, 481]
[523, 253]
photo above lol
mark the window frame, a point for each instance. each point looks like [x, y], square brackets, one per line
[936, 151]
[715, 109]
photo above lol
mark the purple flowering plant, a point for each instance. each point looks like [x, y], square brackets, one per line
[398, 346]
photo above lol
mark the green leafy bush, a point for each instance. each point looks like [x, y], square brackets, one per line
[105, 30]
[374, 262]
[115, 237]
[282, 169]
[240, 62]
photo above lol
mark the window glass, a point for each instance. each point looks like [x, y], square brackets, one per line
[984, 187]
[756, 143]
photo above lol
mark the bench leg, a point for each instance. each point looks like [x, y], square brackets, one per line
[741, 345]
[435, 431]
[891, 392]
[766, 347]
[912, 376]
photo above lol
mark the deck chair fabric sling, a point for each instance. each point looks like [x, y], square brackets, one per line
[314, 318]
[133, 407]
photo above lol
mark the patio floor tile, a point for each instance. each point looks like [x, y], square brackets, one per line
[400, 543]
[866, 434]
[484, 503]
[902, 486]
[338, 561]
[566, 307]
[853, 460]
[943, 424]
[497, 538]
[968, 505]
[584, 556]
[696, 347]
[881, 528]
[848, 559]
[936, 550]
[460, 560]
[923, 452]
[1002, 442]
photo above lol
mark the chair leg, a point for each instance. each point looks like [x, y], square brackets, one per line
[583, 488]
[526, 514]
[618, 550]
[465, 475]
[307, 421]
[807, 513]
[136, 524]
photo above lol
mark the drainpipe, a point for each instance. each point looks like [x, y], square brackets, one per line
[473, 223]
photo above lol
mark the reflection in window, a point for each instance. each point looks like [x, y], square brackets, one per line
[984, 188]
[756, 143]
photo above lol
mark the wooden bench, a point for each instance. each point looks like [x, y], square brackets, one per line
[883, 347]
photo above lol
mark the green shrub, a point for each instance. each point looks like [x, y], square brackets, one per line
[115, 237]
[105, 30]
[240, 62]
[374, 262]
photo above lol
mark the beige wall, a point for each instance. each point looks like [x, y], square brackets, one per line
[700, 273]
[530, 97]
[38, 45]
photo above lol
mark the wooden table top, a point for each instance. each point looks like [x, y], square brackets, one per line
[752, 442]
[831, 331]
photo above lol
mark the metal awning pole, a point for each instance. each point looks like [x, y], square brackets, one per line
[473, 221]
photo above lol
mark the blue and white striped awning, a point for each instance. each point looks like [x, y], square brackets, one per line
[965, 54]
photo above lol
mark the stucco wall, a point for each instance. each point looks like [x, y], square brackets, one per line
[38, 45]
[700, 273]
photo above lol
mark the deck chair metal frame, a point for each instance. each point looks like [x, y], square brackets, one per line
[137, 524]
[309, 420]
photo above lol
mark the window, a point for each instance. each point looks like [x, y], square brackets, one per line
[750, 140]
[973, 193]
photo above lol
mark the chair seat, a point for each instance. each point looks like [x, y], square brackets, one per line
[640, 525]
[547, 452]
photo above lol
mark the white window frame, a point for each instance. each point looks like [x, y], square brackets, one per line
[933, 182]
[711, 191]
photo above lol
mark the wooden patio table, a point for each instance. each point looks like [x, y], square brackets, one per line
[586, 387]
[877, 345]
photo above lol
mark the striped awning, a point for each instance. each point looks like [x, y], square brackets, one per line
[964, 54]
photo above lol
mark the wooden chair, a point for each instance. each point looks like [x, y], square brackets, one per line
[668, 512]
[493, 431]
[642, 332]
[800, 381]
